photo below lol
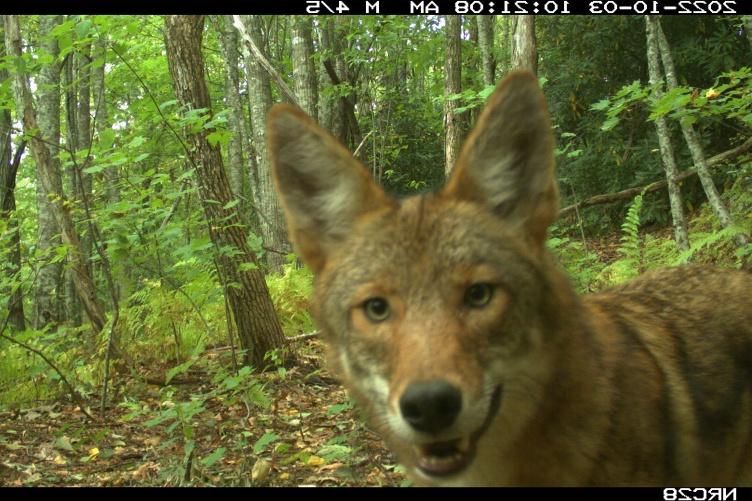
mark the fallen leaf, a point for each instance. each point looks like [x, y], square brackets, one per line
[260, 470]
[152, 441]
[64, 443]
[316, 461]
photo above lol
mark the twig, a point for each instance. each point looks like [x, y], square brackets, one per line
[355, 154]
[303, 337]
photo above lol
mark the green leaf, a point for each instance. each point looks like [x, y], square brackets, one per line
[107, 139]
[601, 105]
[83, 28]
[136, 142]
[179, 369]
[94, 169]
[212, 458]
[266, 439]
[610, 123]
[231, 204]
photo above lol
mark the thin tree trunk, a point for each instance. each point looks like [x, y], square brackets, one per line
[12, 256]
[486, 44]
[327, 103]
[49, 293]
[82, 72]
[692, 139]
[271, 218]
[524, 46]
[102, 115]
[333, 44]
[237, 172]
[72, 302]
[303, 70]
[257, 324]
[52, 182]
[664, 141]
[452, 85]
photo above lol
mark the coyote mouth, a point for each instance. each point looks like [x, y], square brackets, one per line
[441, 459]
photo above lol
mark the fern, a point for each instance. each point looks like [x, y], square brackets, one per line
[632, 249]
[707, 240]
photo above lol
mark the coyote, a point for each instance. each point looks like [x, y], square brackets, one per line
[454, 328]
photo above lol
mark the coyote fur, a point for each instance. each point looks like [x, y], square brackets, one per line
[454, 328]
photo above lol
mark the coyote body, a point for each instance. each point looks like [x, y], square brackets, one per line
[455, 329]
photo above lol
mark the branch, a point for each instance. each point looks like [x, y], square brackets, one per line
[303, 337]
[289, 96]
[633, 192]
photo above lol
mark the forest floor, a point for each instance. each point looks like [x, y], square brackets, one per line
[309, 434]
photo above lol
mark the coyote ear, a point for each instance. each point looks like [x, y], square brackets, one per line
[507, 162]
[322, 187]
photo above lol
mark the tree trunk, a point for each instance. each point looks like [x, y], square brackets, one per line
[524, 47]
[327, 103]
[303, 71]
[452, 85]
[49, 293]
[72, 302]
[666, 147]
[52, 182]
[11, 255]
[337, 62]
[102, 115]
[486, 44]
[693, 139]
[271, 218]
[257, 324]
[238, 172]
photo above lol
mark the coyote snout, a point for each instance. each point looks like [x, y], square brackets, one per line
[454, 328]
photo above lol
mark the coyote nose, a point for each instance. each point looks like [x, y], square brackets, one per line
[430, 406]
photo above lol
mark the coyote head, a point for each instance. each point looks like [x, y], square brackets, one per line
[436, 309]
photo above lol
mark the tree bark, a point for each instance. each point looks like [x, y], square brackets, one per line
[12, 255]
[72, 302]
[303, 71]
[49, 293]
[238, 172]
[257, 324]
[327, 103]
[271, 218]
[692, 139]
[452, 85]
[664, 141]
[524, 46]
[486, 44]
[102, 115]
[52, 182]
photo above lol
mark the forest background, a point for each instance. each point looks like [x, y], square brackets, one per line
[155, 324]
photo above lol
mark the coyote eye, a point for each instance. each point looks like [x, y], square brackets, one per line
[478, 295]
[377, 309]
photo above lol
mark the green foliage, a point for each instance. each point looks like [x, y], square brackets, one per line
[632, 262]
[580, 263]
[291, 292]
